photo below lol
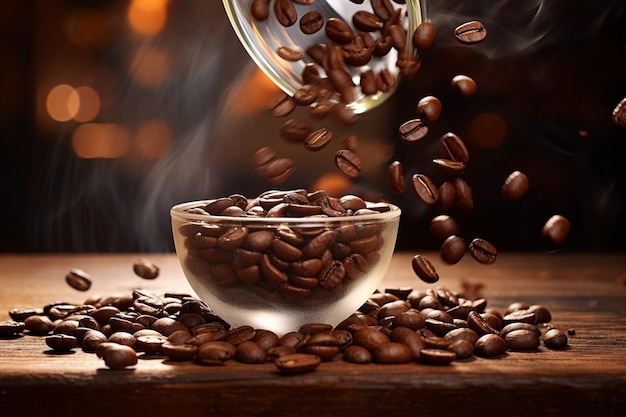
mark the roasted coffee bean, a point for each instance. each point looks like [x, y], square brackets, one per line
[453, 249]
[382, 46]
[11, 328]
[454, 147]
[367, 82]
[462, 333]
[471, 32]
[297, 363]
[395, 177]
[357, 354]
[542, 314]
[424, 36]
[424, 269]
[521, 340]
[78, 279]
[250, 352]
[385, 80]
[425, 189]
[285, 12]
[443, 226]
[278, 170]
[280, 105]
[478, 323]
[348, 163]
[464, 198]
[345, 115]
[61, 342]
[429, 109]
[555, 339]
[119, 357]
[392, 353]
[520, 326]
[179, 352]
[447, 196]
[21, 314]
[556, 230]
[366, 21]
[339, 31]
[382, 8]
[306, 95]
[398, 36]
[463, 85]
[296, 130]
[515, 186]
[619, 114]
[145, 269]
[260, 9]
[148, 305]
[311, 22]
[449, 167]
[437, 357]
[369, 338]
[489, 345]
[166, 326]
[290, 53]
[359, 52]
[462, 348]
[408, 64]
[483, 251]
[239, 334]
[38, 324]
[318, 139]
[412, 130]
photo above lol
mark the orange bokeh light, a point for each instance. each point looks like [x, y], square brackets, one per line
[62, 103]
[251, 94]
[147, 17]
[150, 67]
[153, 139]
[488, 130]
[89, 104]
[100, 140]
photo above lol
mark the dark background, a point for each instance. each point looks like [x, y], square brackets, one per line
[550, 72]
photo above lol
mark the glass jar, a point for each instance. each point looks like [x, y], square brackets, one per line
[264, 37]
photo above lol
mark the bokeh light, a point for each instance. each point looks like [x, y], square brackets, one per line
[100, 140]
[147, 17]
[89, 104]
[62, 103]
[150, 67]
[153, 139]
[251, 94]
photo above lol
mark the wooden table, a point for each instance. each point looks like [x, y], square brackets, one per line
[585, 292]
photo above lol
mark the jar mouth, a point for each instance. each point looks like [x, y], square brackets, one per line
[261, 39]
[180, 212]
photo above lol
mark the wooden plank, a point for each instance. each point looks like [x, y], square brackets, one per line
[584, 292]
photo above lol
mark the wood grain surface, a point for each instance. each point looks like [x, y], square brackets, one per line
[584, 292]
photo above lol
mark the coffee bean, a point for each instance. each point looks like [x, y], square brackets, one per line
[119, 357]
[382, 8]
[447, 196]
[296, 130]
[521, 340]
[449, 167]
[542, 314]
[454, 147]
[215, 352]
[311, 22]
[357, 354]
[453, 249]
[489, 345]
[471, 32]
[9, 328]
[424, 36]
[429, 109]
[250, 352]
[424, 189]
[462, 348]
[38, 324]
[392, 353]
[318, 139]
[285, 12]
[395, 177]
[370, 338]
[483, 251]
[477, 323]
[290, 53]
[61, 342]
[424, 269]
[78, 279]
[339, 31]
[277, 171]
[260, 9]
[281, 105]
[382, 46]
[398, 36]
[297, 363]
[555, 339]
[515, 186]
[619, 114]
[145, 269]
[463, 85]
[463, 194]
[348, 163]
[366, 21]
[412, 130]
[443, 226]
[556, 230]
[437, 356]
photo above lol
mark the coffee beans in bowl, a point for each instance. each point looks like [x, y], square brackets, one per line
[284, 258]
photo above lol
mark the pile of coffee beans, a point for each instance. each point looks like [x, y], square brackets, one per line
[397, 325]
[286, 263]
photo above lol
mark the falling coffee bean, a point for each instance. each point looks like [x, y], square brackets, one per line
[145, 269]
[453, 249]
[429, 109]
[348, 163]
[412, 130]
[556, 229]
[515, 186]
[483, 251]
[471, 32]
[425, 189]
[290, 53]
[463, 85]
[424, 36]
[318, 139]
[395, 177]
[424, 269]
[78, 279]
[311, 22]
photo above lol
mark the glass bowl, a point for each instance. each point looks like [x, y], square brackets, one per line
[263, 38]
[278, 273]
